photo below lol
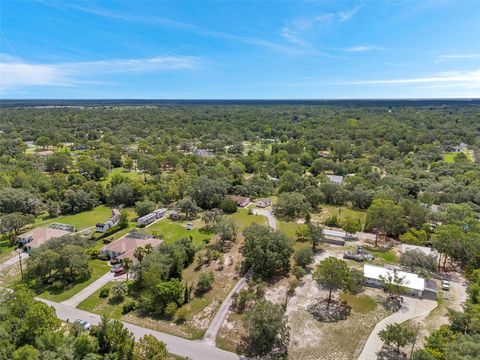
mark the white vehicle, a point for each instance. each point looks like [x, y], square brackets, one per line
[445, 285]
[84, 324]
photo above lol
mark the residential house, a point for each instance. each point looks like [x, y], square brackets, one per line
[203, 153]
[39, 236]
[126, 245]
[336, 179]
[414, 285]
[114, 220]
[263, 203]
[462, 146]
[334, 237]
[149, 218]
[241, 201]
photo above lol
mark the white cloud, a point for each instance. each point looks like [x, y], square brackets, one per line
[459, 80]
[364, 48]
[447, 57]
[15, 73]
[348, 14]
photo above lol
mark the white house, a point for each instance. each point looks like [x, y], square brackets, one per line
[414, 285]
[263, 203]
[149, 218]
[336, 179]
[114, 220]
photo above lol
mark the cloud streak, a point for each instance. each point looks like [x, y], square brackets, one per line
[15, 73]
[193, 28]
[364, 48]
[464, 79]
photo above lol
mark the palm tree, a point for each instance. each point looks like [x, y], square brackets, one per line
[140, 253]
[119, 290]
[148, 249]
[127, 265]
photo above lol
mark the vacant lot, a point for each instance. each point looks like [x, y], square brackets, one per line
[199, 311]
[243, 219]
[81, 220]
[173, 230]
[99, 268]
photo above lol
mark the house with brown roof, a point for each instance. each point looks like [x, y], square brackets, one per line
[241, 201]
[39, 236]
[126, 245]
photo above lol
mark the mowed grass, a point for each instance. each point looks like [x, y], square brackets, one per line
[244, 220]
[360, 303]
[81, 220]
[449, 157]
[176, 230]
[132, 175]
[99, 268]
[388, 257]
[6, 249]
[94, 303]
[342, 212]
[290, 228]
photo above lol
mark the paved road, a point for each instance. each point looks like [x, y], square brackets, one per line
[195, 350]
[13, 260]
[411, 308]
[90, 289]
[216, 323]
[272, 222]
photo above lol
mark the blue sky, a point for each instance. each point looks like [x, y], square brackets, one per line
[239, 49]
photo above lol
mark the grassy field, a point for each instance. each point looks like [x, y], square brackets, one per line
[449, 157]
[81, 220]
[175, 230]
[99, 268]
[360, 303]
[382, 257]
[133, 175]
[342, 212]
[94, 303]
[6, 249]
[244, 220]
[289, 228]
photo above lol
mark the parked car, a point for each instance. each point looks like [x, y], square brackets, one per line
[119, 271]
[445, 285]
[115, 267]
[84, 324]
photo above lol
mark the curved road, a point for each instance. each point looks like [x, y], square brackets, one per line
[411, 309]
[195, 350]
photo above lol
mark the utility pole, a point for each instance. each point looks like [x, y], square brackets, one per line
[20, 259]
[417, 330]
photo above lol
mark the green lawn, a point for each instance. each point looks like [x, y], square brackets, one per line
[6, 249]
[94, 303]
[360, 303]
[290, 228]
[244, 220]
[175, 230]
[81, 220]
[133, 175]
[384, 256]
[99, 268]
[342, 212]
[449, 157]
